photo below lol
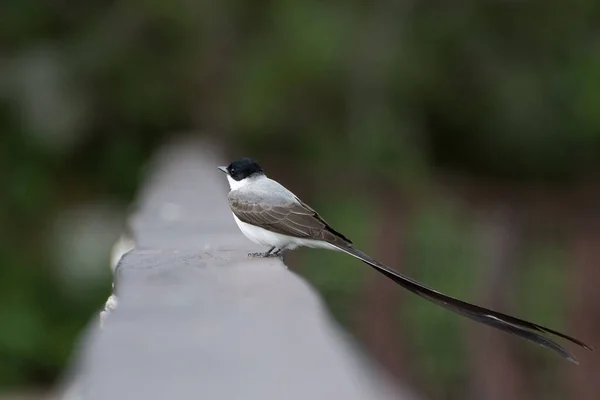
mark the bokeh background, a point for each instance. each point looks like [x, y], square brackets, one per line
[458, 142]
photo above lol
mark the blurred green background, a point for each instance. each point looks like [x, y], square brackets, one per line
[457, 141]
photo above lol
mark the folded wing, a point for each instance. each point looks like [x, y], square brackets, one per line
[294, 219]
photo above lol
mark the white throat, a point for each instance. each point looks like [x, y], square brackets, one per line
[234, 185]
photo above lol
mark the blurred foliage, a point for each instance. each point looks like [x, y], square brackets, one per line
[350, 90]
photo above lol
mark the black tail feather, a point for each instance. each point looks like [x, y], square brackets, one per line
[524, 329]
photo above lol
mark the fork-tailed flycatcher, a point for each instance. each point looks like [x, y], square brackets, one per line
[270, 215]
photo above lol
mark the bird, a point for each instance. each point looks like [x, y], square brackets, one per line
[270, 215]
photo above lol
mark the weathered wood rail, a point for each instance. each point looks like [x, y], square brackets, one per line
[197, 319]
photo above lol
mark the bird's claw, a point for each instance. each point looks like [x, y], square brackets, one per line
[259, 255]
[265, 254]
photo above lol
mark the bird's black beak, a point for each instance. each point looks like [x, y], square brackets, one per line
[222, 169]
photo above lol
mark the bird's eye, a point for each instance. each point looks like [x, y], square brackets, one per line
[232, 171]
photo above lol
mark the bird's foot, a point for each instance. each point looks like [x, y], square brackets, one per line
[267, 254]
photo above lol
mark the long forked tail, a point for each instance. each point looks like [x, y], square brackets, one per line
[524, 329]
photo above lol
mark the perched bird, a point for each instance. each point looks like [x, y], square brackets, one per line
[269, 214]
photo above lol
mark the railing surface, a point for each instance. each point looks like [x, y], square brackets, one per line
[197, 319]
